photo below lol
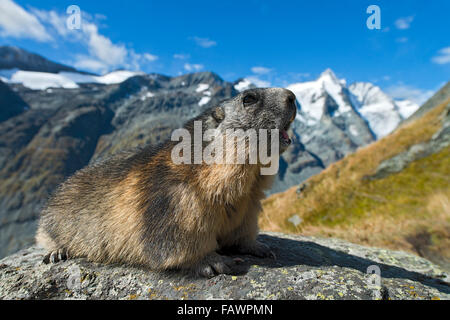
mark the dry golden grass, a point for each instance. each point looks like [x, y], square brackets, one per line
[408, 210]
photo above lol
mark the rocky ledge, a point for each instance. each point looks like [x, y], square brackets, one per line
[305, 268]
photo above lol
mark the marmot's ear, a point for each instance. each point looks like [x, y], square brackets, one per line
[218, 114]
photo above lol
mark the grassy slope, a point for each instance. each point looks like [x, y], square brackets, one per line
[409, 210]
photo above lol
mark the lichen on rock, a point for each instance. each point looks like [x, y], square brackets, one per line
[305, 268]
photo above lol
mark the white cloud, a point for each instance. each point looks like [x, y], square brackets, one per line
[258, 82]
[443, 56]
[19, 23]
[102, 53]
[405, 92]
[261, 70]
[404, 23]
[204, 42]
[56, 21]
[88, 63]
[102, 47]
[150, 57]
[193, 67]
[112, 55]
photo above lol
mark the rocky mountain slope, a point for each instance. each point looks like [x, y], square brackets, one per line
[52, 124]
[305, 268]
[10, 104]
[393, 193]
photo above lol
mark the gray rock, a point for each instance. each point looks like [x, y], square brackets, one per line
[306, 268]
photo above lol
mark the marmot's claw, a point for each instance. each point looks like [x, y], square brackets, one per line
[55, 256]
[206, 271]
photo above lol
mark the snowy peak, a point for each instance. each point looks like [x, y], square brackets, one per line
[328, 76]
[367, 93]
[376, 107]
[381, 111]
[406, 108]
[330, 96]
[314, 97]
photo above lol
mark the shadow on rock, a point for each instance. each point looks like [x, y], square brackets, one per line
[291, 252]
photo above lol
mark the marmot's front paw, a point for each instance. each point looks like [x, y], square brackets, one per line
[257, 249]
[56, 256]
[214, 264]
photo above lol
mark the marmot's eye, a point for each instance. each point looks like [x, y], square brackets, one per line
[250, 99]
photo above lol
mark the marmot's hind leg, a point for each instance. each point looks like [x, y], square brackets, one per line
[56, 256]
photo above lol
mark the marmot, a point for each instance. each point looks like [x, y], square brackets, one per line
[142, 209]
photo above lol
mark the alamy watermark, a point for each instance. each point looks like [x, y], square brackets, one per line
[73, 21]
[374, 20]
[235, 146]
[374, 280]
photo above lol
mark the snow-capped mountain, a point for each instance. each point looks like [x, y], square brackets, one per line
[381, 111]
[330, 96]
[327, 128]
[321, 97]
[38, 73]
[406, 108]
[376, 107]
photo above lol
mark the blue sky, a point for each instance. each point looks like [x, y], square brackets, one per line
[273, 42]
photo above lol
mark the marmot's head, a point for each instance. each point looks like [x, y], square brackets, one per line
[243, 129]
[262, 108]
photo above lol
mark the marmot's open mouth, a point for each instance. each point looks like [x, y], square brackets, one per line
[284, 137]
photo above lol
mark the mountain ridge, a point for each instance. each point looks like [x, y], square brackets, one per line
[12, 57]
